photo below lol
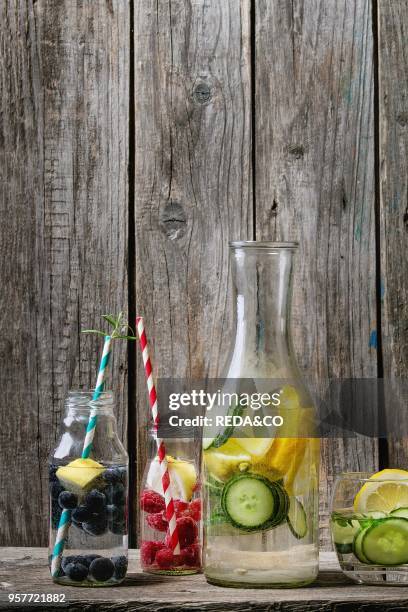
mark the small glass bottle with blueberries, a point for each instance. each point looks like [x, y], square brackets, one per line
[90, 495]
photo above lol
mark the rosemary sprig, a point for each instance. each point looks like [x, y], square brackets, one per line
[120, 326]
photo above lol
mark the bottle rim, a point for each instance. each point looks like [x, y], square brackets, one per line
[80, 398]
[263, 244]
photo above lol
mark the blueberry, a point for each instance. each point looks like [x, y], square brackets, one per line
[55, 489]
[76, 571]
[76, 524]
[52, 472]
[112, 475]
[67, 500]
[69, 559]
[113, 512]
[89, 558]
[95, 500]
[118, 494]
[120, 564]
[81, 514]
[102, 569]
[118, 527]
[95, 527]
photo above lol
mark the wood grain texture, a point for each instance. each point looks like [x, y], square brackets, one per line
[63, 245]
[315, 183]
[24, 570]
[393, 103]
[192, 179]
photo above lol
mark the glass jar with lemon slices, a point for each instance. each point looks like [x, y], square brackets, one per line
[369, 526]
[261, 486]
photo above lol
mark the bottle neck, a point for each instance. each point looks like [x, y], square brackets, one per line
[263, 286]
[81, 406]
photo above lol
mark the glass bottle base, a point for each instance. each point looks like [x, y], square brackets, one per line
[173, 572]
[241, 584]
[65, 581]
[376, 575]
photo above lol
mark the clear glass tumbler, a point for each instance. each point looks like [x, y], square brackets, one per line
[156, 554]
[369, 526]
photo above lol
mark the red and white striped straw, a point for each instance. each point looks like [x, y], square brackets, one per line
[161, 450]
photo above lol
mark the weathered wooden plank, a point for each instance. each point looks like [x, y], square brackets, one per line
[24, 570]
[192, 179]
[315, 183]
[393, 101]
[63, 186]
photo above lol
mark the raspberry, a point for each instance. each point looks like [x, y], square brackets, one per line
[148, 551]
[151, 502]
[194, 509]
[187, 531]
[157, 521]
[180, 506]
[165, 558]
[190, 555]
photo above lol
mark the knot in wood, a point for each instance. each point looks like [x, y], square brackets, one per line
[297, 151]
[202, 93]
[173, 220]
[402, 119]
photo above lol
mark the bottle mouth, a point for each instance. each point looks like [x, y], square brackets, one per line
[78, 398]
[263, 244]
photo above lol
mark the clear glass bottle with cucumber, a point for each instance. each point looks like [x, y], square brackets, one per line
[261, 489]
[369, 526]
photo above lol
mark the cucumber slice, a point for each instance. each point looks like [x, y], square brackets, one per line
[400, 512]
[357, 546]
[297, 520]
[386, 542]
[343, 533]
[253, 503]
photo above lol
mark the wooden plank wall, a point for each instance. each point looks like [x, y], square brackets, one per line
[193, 189]
[314, 151]
[393, 167]
[136, 139]
[64, 84]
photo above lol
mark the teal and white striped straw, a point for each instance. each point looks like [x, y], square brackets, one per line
[65, 519]
[100, 382]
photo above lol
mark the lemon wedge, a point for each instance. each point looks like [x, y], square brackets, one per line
[80, 474]
[257, 447]
[183, 478]
[223, 461]
[385, 491]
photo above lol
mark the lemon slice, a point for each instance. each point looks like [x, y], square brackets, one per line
[223, 461]
[182, 474]
[80, 475]
[257, 447]
[384, 493]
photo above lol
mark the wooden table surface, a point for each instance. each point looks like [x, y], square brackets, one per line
[24, 570]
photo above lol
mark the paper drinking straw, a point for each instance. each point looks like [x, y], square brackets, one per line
[65, 518]
[161, 450]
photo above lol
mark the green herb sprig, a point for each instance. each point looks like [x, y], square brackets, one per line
[120, 326]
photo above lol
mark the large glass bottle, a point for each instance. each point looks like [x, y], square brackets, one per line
[261, 492]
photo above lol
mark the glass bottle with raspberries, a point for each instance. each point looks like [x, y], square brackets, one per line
[156, 552]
